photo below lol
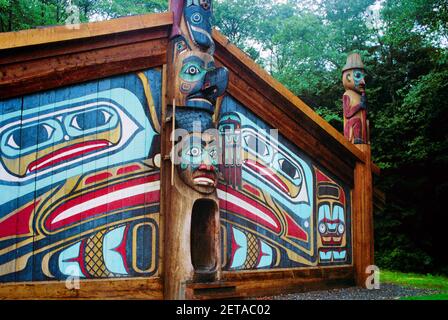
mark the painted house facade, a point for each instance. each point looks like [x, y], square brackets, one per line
[88, 188]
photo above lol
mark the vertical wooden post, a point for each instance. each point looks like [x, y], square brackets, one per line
[363, 250]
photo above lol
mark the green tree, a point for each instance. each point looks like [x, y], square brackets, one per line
[113, 9]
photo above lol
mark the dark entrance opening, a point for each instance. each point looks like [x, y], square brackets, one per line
[204, 234]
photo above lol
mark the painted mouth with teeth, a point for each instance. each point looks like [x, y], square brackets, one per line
[67, 153]
[205, 178]
[332, 240]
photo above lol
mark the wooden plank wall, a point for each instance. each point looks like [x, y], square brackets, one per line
[135, 45]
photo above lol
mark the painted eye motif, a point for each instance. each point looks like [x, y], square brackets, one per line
[263, 149]
[341, 228]
[194, 152]
[91, 119]
[196, 18]
[289, 169]
[251, 143]
[181, 45]
[75, 124]
[322, 228]
[30, 136]
[192, 70]
[12, 142]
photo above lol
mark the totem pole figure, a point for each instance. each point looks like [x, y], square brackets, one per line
[194, 85]
[355, 101]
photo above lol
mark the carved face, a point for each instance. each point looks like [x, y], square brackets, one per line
[198, 15]
[354, 79]
[198, 166]
[198, 81]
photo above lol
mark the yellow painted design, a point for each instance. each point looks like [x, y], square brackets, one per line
[150, 101]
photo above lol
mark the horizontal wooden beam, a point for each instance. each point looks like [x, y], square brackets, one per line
[242, 284]
[48, 35]
[135, 288]
[20, 78]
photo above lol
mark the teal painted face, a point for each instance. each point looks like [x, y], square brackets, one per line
[354, 79]
[199, 82]
[198, 166]
[359, 79]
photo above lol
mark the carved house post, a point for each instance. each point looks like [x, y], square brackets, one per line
[192, 245]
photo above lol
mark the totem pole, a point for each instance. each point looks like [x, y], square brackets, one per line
[194, 84]
[354, 101]
[356, 130]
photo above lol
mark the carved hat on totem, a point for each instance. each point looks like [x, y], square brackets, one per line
[354, 61]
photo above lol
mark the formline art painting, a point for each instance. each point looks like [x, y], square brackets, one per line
[148, 157]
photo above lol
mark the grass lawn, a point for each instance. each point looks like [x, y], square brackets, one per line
[418, 281]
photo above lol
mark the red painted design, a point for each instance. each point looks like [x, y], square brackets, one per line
[99, 177]
[342, 196]
[80, 259]
[67, 153]
[294, 230]
[251, 189]
[241, 210]
[18, 223]
[234, 246]
[321, 177]
[268, 174]
[101, 208]
[128, 169]
[121, 248]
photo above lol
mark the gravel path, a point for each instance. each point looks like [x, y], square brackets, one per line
[386, 292]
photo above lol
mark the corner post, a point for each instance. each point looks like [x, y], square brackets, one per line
[363, 253]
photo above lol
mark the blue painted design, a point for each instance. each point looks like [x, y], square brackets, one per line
[60, 144]
[265, 166]
[67, 262]
[113, 259]
[240, 254]
[267, 257]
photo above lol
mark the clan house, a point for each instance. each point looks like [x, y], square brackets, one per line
[147, 157]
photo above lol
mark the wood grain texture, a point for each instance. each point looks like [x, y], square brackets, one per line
[149, 288]
[42, 74]
[265, 283]
[26, 38]
[363, 248]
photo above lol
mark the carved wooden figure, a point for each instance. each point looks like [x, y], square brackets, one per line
[354, 100]
[193, 213]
